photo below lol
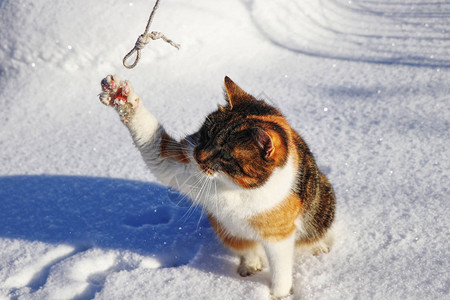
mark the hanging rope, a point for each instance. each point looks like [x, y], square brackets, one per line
[144, 39]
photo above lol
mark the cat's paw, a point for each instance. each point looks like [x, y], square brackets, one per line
[320, 249]
[249, 267]
[120, 95]
[323, 246]
[281, 297]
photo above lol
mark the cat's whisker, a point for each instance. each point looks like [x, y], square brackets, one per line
[200, 218]
[170, 139]
[192, 187]
[191, 210]
[200, 183]
[201, 192]
[185, 183]
[208, 180]
[276, 187]
[192, 207]
[189, 142]
[202, 188]
[180, 188]
[208, 120]
[199, 174]
[171, 144]
[184, 196]
[216, 197]
[173, 156]
[176, 150]
[175, 147]
[175, 143]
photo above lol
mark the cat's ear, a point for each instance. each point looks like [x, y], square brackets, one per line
[234, 94]
[264, 141]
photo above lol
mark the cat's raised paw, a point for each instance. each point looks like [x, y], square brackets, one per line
[120, 95]
[110, 86]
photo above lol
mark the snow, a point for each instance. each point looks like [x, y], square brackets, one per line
[366, 83]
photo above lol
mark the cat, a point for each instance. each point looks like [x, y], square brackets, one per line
[269, 195]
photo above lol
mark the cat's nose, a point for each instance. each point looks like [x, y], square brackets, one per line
[209, 171]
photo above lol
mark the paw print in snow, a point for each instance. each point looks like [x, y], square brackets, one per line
[157, 216]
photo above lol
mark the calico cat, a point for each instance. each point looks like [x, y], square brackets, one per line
[268, 193]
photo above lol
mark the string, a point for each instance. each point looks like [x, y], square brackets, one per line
[144, 39]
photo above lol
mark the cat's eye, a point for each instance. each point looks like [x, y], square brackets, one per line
[226, 156]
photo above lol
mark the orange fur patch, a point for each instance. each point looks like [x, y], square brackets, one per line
[172, 149]
[237, 244]
[279, 152]
[278, 223]
[203, 155]
[279, 120]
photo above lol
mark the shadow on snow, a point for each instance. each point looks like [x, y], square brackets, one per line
[109, 213]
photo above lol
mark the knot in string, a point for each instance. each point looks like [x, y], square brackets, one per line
[144, 39]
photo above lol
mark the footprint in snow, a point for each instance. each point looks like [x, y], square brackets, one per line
[154, 216]
[79, 276]
[173, 232]
[110, 214]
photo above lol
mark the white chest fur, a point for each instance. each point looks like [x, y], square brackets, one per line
[233, 205]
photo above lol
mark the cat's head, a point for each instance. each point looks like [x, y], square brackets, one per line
[246, 139]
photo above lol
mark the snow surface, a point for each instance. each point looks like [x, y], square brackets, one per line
[366, 83]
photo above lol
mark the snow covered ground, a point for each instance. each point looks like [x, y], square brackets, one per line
[366, 83]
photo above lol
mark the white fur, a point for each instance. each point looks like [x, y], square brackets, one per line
[281, 260]
[229, 203]
[300, 226]
[143, 120]
[234, 205]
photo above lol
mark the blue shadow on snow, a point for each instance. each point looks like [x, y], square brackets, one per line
[103, 212]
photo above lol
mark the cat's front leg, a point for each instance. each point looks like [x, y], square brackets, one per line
[281, 259]
[120, 94]
[163, 155]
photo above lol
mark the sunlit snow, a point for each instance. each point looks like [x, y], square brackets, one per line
[366, 83]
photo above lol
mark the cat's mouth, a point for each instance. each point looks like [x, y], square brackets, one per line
[208, 170]
[206, 167]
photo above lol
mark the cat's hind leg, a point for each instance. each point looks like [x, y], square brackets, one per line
[319, 246]
[324, 244]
